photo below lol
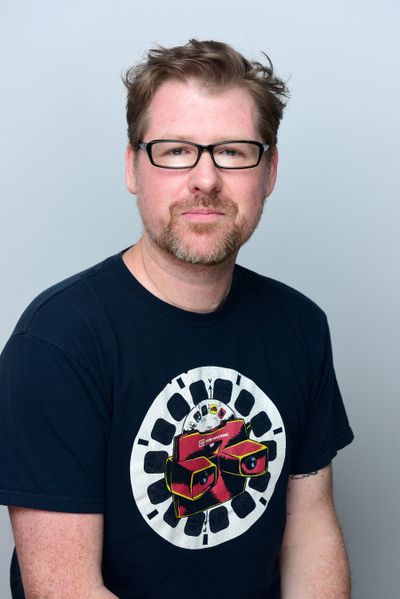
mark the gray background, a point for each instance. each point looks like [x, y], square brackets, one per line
[329, 229]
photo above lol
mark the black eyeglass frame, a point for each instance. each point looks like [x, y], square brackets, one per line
[143, 145]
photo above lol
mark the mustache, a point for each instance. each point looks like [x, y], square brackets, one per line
[203, 201]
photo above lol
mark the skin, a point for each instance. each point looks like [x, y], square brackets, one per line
[59, 554]
[199, 209]
[313, 557]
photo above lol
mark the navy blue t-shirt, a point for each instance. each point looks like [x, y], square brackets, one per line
[182, 428]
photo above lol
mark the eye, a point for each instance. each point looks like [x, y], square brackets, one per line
[178, 151]
[229, 152]
[173, 150]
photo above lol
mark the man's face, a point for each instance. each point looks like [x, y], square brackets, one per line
[201, 215]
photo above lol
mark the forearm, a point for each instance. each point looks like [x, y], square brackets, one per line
[103, 594]
[316, 567]
[59, 554]
[98, 593]
[70, 591]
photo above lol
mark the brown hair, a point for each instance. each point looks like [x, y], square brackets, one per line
[216, 66]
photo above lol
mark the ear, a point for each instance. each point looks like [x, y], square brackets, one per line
[272, 172]
[130, 170]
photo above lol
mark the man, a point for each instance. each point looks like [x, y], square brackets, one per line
[168, 418]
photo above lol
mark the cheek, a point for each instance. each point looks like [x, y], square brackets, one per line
[250, 198]
[153, 204]
[250, 184]
[149, 209]
[157, 191]
[158, 184]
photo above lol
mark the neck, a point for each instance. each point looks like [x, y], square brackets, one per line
[192, 287]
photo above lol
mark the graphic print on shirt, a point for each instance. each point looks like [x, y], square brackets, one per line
[207, 457]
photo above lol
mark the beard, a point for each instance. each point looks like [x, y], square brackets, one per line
[206, 244]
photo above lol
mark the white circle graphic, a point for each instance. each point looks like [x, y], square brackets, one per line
[207, 457]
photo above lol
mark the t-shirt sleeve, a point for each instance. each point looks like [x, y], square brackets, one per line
[326, 428]
[52, 431]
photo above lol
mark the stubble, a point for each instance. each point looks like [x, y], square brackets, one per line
[206, 244]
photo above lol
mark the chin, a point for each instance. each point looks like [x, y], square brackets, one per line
[204, 250]
[206, 244]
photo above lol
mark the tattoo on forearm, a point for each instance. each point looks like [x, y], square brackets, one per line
[297, 476]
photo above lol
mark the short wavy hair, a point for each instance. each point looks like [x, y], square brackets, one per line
[216, 66]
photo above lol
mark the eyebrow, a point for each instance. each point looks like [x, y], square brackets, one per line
[174, 137]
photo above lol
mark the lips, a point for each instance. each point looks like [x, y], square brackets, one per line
[202, 215]
[203, 208]
[202, 211]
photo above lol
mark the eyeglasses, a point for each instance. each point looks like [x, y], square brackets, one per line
[176, 154]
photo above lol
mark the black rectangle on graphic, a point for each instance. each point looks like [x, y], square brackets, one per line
[152, 514]
[143, 442]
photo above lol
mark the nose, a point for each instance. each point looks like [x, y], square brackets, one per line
[205, 177]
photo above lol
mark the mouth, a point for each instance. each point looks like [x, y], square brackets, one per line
[203, 214]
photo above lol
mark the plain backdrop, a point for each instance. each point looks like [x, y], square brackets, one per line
[330, 229]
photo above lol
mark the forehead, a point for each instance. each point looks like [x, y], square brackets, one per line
[188, 110]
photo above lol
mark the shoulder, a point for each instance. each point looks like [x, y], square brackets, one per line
[69, 313]
[284, 314]
[285, 298]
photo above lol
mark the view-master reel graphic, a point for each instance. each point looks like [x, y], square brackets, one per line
[210, 467]
[207, 457]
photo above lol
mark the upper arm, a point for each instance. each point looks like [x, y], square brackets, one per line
[59, 553]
